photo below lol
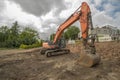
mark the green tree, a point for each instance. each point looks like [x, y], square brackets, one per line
[13, 36]
[71, 33]
[28, 36]
[4, 31]
[52, 37]
[15, 29]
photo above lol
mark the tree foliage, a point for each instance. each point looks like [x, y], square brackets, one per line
[13, 37]
[52, 37]
[70, 33]
[28, 36]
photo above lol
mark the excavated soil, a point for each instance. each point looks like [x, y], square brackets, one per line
[30, 65]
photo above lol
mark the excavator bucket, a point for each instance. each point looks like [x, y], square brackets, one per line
[89, 60]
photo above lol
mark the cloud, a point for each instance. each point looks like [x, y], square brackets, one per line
[105, 12]
[46, 15]
[116, 19]
[1, 5]
[102, 19]
[41, 7]
[13, 12]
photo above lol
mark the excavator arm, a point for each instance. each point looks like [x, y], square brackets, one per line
[73, 18]
[79, 14]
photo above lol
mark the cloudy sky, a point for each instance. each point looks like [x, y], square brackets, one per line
[46, 15]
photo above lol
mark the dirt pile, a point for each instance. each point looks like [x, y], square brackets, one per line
[107, 50]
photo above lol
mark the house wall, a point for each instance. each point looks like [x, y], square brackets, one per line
[106, 33]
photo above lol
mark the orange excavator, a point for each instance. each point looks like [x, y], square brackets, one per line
[88, 56]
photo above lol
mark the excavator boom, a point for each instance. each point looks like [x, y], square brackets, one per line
[82, 16]
[73, 18]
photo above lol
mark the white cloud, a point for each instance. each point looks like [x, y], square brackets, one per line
[101, 19]
[98, 2]
[72, 6]
[48, 23]
[116, 20]
[14, 12]
[49, 15]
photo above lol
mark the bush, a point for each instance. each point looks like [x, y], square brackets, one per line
[23, 46]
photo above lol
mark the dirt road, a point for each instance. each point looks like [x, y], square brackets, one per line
[33, 66]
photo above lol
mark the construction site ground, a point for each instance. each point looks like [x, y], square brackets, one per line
[29, 64]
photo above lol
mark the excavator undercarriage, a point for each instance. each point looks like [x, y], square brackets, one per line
[54, 49]
[53, 52]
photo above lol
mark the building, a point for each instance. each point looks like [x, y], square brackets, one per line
[106, 33]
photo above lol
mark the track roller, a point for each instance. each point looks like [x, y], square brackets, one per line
[48, 53]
